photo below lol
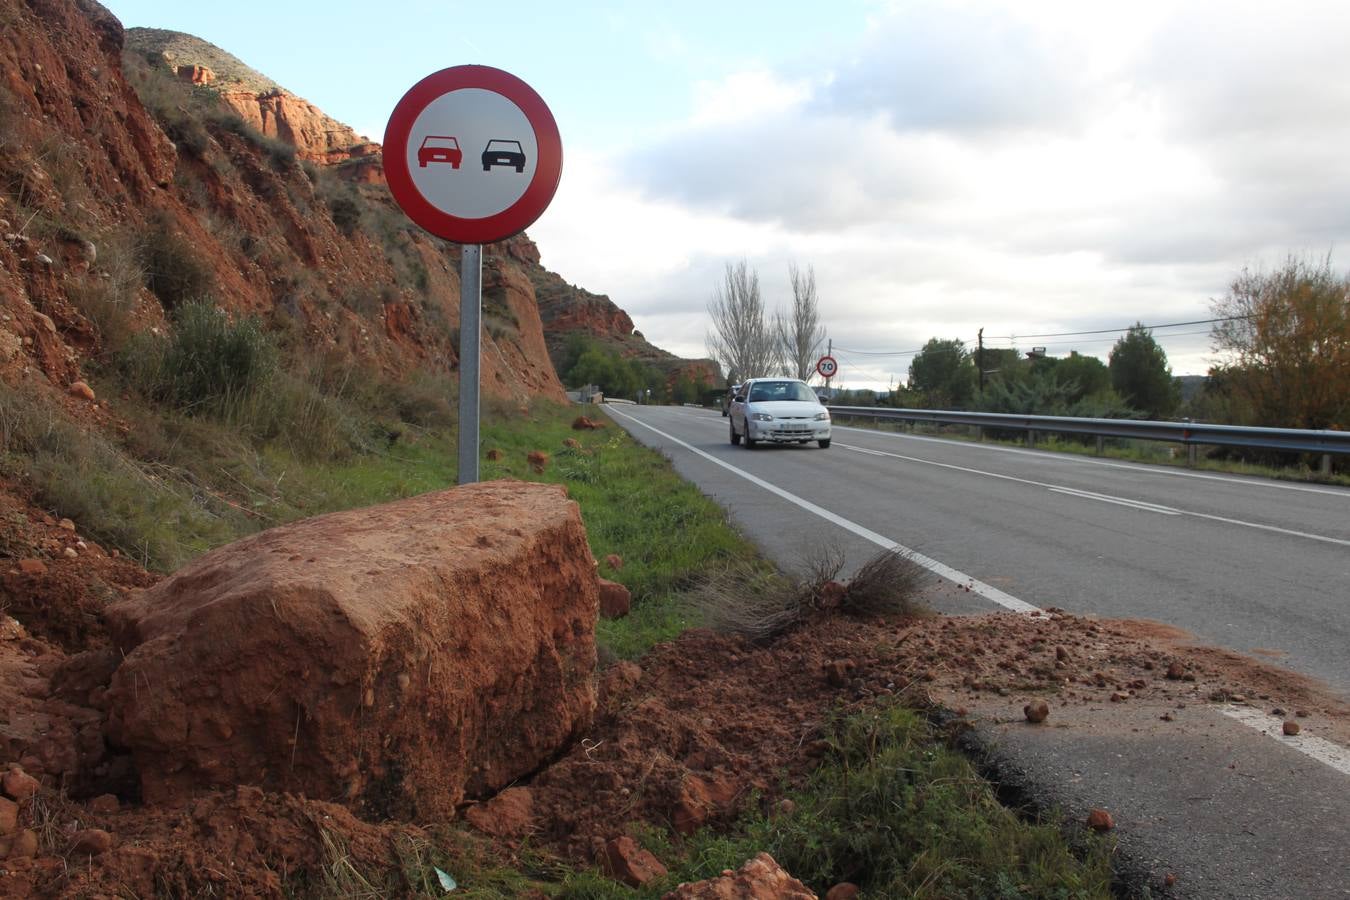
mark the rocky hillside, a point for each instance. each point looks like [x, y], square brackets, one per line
[130, 192]
[274, 112]
[567, 310]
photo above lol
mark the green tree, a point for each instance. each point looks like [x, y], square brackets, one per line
[944, 374]
[1140, 374]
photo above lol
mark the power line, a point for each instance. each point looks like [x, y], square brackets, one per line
[1014, 337]
[1017, 337]
[1174, 334]
[894, 352]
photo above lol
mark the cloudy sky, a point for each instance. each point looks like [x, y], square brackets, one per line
[1032, 167]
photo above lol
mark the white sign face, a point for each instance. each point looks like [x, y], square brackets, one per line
[472, 153]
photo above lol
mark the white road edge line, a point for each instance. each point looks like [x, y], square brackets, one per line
[1054, 487]
[1320, 749]
[987, 591]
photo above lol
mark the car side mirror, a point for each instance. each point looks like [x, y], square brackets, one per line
[740, 399]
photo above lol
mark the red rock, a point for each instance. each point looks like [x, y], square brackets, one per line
[9, 817]
[1100, 820]
[1036, 712]
[246, 643]
[614, 561]
[618, 680]
[572, 443]
[66, 525]
[615, 599]
[1291, 727]
[1061, 653]
[82, 390]
[837, 671]
[844, 891]
[510, 814]
[23, 845]
[631, 864]
[195, 74]
[494, 454]
[538, 460]
[105, 804]
[701, 801]
[32, 567]
[19, 785]
[581, 423]
[91, 842]
[760, 878]
[1118, 697]
[1176, 671]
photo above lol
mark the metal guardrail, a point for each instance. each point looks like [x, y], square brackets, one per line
[1294, 440]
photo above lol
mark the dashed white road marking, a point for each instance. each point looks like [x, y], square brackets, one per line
[1119, 501]
[975, 586]
[1088, 495]
[1155, 470]
[1320, 749]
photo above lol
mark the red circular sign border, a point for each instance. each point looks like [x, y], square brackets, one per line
[516, 217]
[821, 361]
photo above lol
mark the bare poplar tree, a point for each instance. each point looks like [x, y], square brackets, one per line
[800, 334]
[741, 339]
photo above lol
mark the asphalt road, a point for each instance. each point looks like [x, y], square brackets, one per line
[1253, 565]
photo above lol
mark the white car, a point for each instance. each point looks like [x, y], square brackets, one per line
[782, 410]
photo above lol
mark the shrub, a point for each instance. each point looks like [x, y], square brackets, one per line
[209, 363]
[173, 271]
[346, 213]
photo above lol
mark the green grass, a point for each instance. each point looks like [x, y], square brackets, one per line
[634, 505]
[897, 812]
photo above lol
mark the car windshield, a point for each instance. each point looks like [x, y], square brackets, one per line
[504, 145]
[781, 390]
[435, 141]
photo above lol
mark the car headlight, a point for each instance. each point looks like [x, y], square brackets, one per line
[823, 416]
[762, 417]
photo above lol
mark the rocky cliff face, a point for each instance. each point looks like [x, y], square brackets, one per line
[129, 191]
[567, 309]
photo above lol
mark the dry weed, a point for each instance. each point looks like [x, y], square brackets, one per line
[887, 584]
[746, 600]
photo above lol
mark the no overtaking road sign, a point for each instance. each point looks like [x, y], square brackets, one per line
[472, 154]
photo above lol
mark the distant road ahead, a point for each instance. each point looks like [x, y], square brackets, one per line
[1255, 565]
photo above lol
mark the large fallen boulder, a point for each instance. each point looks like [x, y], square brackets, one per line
[399, 659]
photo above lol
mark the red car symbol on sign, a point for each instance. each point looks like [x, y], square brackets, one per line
[439, 148]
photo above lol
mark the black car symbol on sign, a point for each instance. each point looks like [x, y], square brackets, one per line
[504, 153]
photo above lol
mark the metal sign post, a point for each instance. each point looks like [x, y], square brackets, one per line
[472, 154]
[470, 341]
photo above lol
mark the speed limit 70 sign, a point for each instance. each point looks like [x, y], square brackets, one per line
[827, 367]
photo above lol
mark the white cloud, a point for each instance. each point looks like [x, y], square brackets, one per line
[1026, 167]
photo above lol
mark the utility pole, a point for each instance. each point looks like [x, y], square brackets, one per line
[979, 360]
